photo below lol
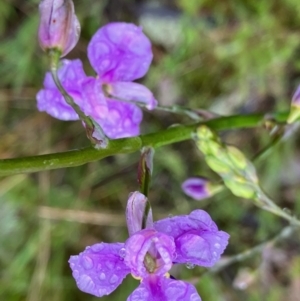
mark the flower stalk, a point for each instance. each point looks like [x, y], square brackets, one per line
[93, 130]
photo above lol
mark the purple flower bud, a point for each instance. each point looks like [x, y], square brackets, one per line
[295, 107]
[199, 188]
[134, 213]
[59, 27]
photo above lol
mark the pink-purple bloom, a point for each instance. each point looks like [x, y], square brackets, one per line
[119, 53]
[196, 188]
[149, 254]
[59, 27]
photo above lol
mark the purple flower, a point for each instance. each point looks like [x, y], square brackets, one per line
[59, 27]
[148, 255]
[196, 188]
[197, 238]
[119, 53]
[200, 188]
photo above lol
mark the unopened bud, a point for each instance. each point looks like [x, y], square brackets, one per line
[59, 27]
[199, 188]
[295, 107]
[135, 211]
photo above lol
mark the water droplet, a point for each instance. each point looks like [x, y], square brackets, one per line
[170, 215]
[102, 276]
[110, 264]
[102, 291]
[113, 279]
[75, 274]
[122, 252]
[190, 266]
[169, 229]
[195, 297]
[217, 246]
[87, 262]
[97, 247]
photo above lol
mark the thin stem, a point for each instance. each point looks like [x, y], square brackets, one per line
[93, 129]
[267, 204]
[196, 115]
[128, 145]
[284, 234]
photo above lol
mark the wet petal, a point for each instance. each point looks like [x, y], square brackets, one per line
[94, 103]
[197, 238]
[99, 269]
[122, 120]
[149, 252]
[164, 289]
[133, 92]
[52, 102]
[70, 73]
[134, 213]
[120, 52]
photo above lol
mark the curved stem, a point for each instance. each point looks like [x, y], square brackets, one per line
[128, 145]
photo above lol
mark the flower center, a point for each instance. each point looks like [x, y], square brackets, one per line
[149, 263]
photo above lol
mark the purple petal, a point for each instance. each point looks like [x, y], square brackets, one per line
[133, 92]
[120, 52]
[196, 236]
[94, 103]
[99, 269]
[149, 246]
[134, 213]
[70, 73]
[122, 120]
[196, 188]
[52, 102]
[164, 289]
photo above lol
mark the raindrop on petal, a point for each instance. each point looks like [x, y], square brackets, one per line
[122, 252]
[102, 276]
[113, 279]
[190, 266]
[87, 262]
[217, 246]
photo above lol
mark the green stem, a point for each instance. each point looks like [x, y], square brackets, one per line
[99, 140]
[128, 145]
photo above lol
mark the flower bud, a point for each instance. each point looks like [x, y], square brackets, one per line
[295, 107]
[199, 188]
[59, 27]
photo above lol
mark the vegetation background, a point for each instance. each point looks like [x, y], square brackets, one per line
[229, 56]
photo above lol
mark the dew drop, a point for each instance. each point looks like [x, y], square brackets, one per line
[87, 262]
[190, 266]
[113, 279]
[122, 252]
[170, 215]
[75, 274]
[217, 246]
[97, 247]
[110, 265]
[102, 291]
[195, 297]
[102, 276]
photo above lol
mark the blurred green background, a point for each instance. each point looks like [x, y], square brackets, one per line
[229, 56]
